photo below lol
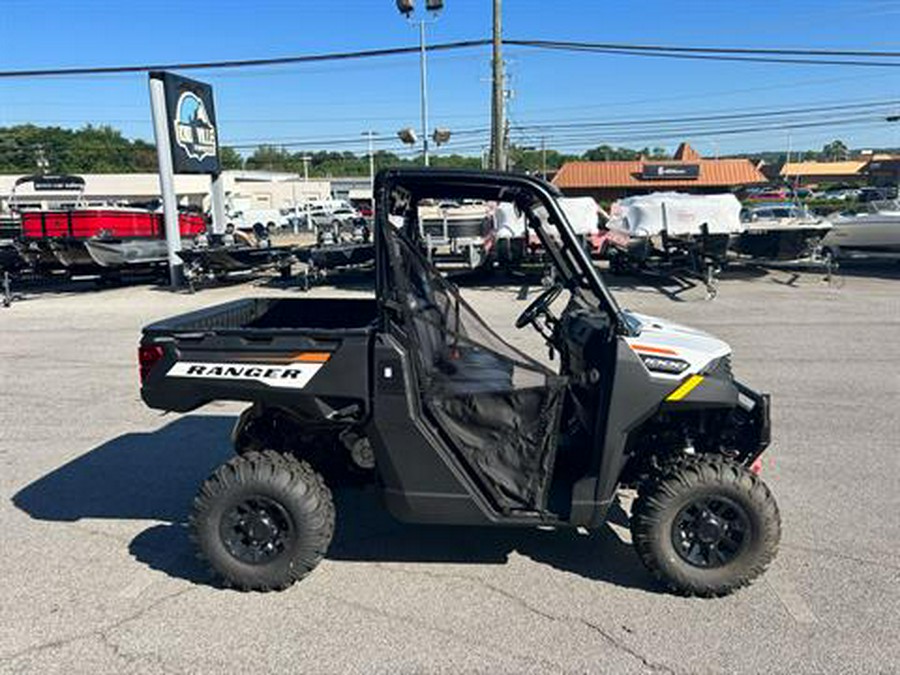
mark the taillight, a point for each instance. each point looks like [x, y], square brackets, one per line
[148, 356]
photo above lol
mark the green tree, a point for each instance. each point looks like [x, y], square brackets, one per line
[230, 158]
[269, 158]
[835, 151]
[88, 150]
[607, 153]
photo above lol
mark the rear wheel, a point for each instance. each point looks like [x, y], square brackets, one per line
[706, 527]
[263, 521]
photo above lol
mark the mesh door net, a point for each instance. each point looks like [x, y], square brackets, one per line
[495, 406]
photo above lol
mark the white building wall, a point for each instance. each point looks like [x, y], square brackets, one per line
[268, 190]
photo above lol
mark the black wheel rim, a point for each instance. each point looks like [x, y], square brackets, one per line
[711, 532]
[256, 530]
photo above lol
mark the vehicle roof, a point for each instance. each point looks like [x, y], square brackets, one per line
[468, 183]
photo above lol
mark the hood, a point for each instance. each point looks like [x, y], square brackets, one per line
[696, 347]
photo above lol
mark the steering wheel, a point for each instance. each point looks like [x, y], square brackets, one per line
[539, 305]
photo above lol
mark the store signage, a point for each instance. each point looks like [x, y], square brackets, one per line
[191, 115]
[670, 171]
[58, 183]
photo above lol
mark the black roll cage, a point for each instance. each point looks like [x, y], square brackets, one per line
[568, 257]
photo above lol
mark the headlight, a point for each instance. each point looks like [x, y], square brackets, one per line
[720, 368]
[661, 364]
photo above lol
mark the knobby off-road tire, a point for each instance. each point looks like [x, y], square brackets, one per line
[706, 526]
[263, 521]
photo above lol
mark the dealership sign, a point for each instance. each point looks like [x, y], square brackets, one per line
[670, 171]
[48, 183]
[191, 117]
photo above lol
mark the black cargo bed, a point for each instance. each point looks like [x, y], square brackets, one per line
[347, 316]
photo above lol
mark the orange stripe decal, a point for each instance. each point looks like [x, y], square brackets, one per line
[312, 357]
[654, 350]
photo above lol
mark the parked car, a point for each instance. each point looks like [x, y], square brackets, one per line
[768, 194]
[877, 194]
[344, 215]
[841, 193]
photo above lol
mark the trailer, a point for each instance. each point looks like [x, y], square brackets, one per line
[673, 234]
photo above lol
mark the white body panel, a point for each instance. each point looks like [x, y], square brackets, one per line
[693, 346]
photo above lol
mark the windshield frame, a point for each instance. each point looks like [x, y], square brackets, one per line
[567, 255]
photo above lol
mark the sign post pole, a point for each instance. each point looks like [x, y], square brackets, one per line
[166, 180]
[218, 203]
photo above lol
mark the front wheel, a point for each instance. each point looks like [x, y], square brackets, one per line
[263, 521]
[706, 527]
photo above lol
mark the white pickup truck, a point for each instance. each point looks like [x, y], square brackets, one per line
[249, 219]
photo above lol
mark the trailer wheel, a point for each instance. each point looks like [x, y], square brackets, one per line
[706, 527]
[263, 521]
[617, 266]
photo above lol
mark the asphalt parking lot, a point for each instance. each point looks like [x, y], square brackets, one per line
[98, 576]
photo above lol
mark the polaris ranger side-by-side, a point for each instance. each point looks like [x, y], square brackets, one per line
[457, 426]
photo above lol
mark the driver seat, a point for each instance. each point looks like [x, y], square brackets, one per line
[454, 367]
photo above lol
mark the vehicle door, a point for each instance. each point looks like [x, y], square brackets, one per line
[493, 406]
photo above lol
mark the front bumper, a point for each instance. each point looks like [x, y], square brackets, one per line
[755, 423]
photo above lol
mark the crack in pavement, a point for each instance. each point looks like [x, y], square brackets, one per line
[100, 632]
[841, 556]
[564, 618]
[133, 658]
[446, 632]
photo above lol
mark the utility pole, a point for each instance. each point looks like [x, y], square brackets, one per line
[305, 159]
[544, 157]
[423, 84]
[371, 134]
[498, 125]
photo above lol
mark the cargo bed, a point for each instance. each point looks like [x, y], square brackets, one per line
[263, 349]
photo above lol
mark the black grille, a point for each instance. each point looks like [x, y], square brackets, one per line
[724, 367]
[10, 227]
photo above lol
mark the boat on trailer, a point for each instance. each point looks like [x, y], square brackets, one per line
[219, 259]
[780, 232]
[84, 239]
[875, 233]
[673, 234]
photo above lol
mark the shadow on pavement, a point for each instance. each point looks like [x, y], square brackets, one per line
[154, 476]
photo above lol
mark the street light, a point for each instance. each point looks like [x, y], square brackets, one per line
[408, 136]
[440, 136]
[406, 8]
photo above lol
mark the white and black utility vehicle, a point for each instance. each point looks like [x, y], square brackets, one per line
[454, 424]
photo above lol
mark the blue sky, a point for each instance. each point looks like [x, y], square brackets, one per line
[340, 100]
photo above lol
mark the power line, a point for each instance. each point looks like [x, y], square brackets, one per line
[713, 53]
[708, 50]
[765, 55]
[818, 110]
[583, 139]
[243, 63]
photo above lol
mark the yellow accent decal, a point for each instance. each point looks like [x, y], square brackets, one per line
[686, 388]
